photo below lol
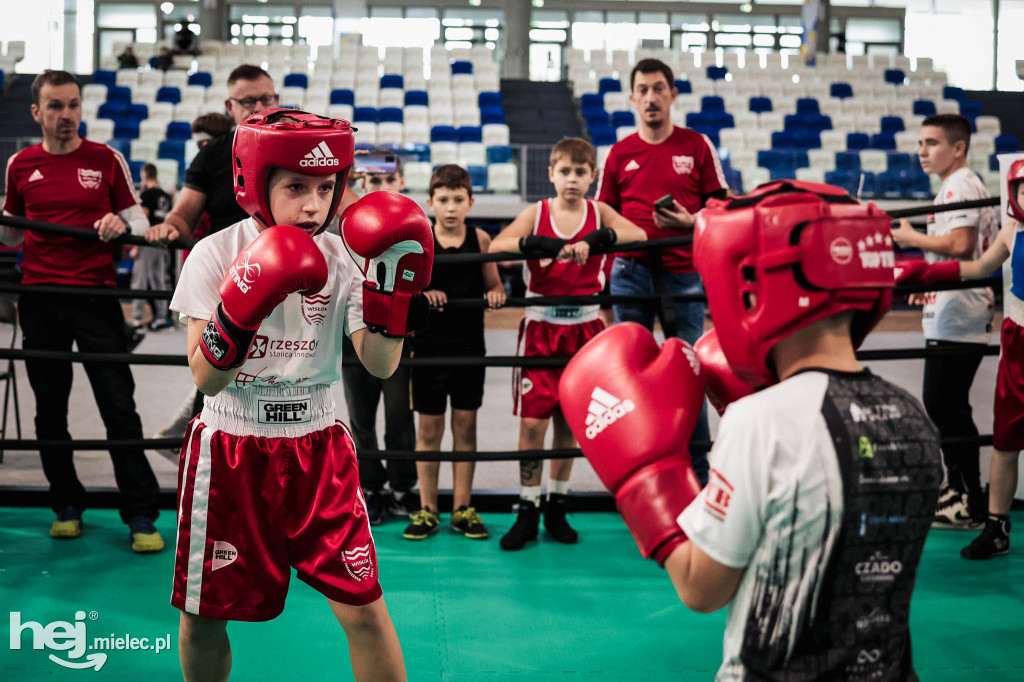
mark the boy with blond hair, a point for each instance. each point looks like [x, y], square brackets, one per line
[563, 229]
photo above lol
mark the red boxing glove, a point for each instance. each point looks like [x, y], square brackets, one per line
[923, 272]
[632, 407]
[282, 260]
[723, 386]
[392, 242]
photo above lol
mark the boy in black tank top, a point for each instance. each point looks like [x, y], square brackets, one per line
[452, 331]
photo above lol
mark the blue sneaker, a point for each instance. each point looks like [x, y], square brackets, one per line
[145, 537]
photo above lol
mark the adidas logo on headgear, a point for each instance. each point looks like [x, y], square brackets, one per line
[318, 156]
[604, 410]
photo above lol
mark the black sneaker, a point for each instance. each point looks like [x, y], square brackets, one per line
[375, 504]
[554, 519]
[993, 541]
[465, 520]
[524, 529]
[424, 524]
[403, 503]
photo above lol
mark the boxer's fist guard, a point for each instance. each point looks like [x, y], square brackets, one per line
[923, 272]
[723, 386]
[392, 243]
[632, 406]
[283, 259]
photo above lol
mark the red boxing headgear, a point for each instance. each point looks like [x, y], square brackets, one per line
[293, 140]
[784, 256]
[1013, 179]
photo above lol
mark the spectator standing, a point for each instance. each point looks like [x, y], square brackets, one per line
[153, 269]
[659, 160]
[363, 392]
[564, 229]
[185, 40]
[954, 319]
[72, 181]
[455, 331]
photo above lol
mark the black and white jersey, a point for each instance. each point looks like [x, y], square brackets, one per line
[824, 488]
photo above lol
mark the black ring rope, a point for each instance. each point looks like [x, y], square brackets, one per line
[490, 361]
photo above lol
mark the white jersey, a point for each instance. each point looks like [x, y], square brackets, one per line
[299, 345]
[823, 487]
[964, 315]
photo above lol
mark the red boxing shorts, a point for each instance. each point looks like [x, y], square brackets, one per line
[535, 391]
[1008, 429]
[251, 507]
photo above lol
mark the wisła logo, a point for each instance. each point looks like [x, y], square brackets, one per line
[604, 410]
[319, 156]
[359, 562]
[89, 179]
[314, 308]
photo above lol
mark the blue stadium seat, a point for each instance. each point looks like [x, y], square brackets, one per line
[172, 149]
[596, 117]
[83, 128]
[894, 76]
[602, 135]
[783, 139]
[168, 93]
[366, 114]
[841, 90]
[499, 154]
[719, 120]
[418, 98]
[993, 162]
[711, 133]
[489, 99]
[179, 130]
[462, 66]
[883, 141]
[609, 85]
[890, 184]
[135, 112]
[696, 119]
[591, 102]
[892, 124]
[119, 93]
[717, 73]
[924, 107]
[953, 92]
[105, 77]
[296, 80]
[623, 118]
[1006, 144]
[1, 79]
[684, 87]
[346, 96]
[121, 144]
[478, 176]
[816, 122]
[469, 134]
[856, 141]
[491, 115]
[204, 78]
[760, 105]
[135, 167]
[970, 109]
[807, 105]
[734, 179]
[848, 161]
[868, 184]
[712, 103]
[774, 159]
[844, 179]
[807, 139]
[392, 80]
[111, 110]
[918, 185]
[390, 115]
[901, 162]
[442, 134]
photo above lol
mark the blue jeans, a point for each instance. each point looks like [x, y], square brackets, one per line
[631, 277]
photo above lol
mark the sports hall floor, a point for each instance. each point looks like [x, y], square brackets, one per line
[464, 610]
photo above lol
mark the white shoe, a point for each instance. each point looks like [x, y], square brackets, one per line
[953, 514]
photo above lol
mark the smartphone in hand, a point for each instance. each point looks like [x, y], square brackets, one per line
[666, 203]
[375, 163]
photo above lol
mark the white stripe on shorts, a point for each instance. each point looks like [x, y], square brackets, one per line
[197, 531]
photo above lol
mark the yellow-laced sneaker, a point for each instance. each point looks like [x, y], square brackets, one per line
[465, 520]
[68, 525]
[145, 537]
[424, 524]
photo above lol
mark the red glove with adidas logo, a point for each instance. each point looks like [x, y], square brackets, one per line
[632, 406]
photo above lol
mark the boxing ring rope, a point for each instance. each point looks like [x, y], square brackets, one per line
[487, 361]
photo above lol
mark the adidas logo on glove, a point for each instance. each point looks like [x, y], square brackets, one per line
[604, 410]
[318, 156]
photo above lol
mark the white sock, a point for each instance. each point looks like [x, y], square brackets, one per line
[531, 493]
[558, 487]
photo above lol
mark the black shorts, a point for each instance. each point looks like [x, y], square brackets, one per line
[431, 387]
